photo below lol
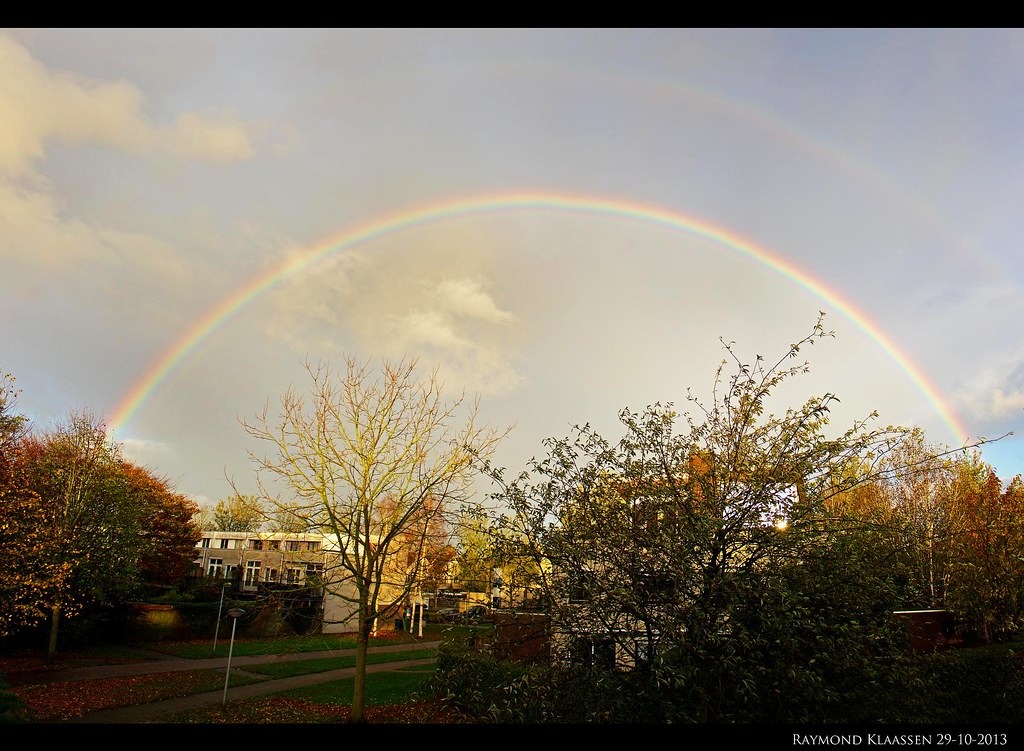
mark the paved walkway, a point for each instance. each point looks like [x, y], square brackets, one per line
[153, 711]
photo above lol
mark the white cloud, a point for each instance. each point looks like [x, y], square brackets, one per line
[40, 105]
[197, 136]
[466, 297]
[441, 316]
[145, 452]
[996, 393]
[53, 247]
[415, 329]
[49, 246]
[456, 323]
[1004, 404]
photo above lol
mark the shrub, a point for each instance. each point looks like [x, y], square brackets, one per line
[510, 692]
[12, 709]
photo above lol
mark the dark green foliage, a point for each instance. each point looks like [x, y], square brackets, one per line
[981, 684]
[12, 709]
[976, 685]
[509, 692]
[699, 568]
[813, 642]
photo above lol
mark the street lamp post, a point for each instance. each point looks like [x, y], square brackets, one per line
[220, 610]
[423, 611]
[235, 614]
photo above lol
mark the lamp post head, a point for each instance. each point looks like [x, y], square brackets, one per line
[236, 612]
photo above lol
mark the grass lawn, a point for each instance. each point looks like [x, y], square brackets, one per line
[390, 698]
[58, 701]
[34, 698]
[393, 687]
[304, 667]
[290, 644]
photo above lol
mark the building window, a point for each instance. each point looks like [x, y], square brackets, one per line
[270, 575]
[206, 542]
[293, 545]
[224, 543]
[314, 574]
[256, 544]
[229, 571]
[313, 545]
[252, 573]
[273, 545]
[214, 567]
[594, 652]
[644, 649]
[657, 589]
[294, 575]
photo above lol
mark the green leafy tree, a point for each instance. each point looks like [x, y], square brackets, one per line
[490, 554]
[476, 557]
[239, 513]
[654, 551]
[97, 524]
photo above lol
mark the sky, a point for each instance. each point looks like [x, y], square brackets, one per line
[565, 223]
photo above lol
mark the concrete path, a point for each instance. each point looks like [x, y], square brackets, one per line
[153, 711]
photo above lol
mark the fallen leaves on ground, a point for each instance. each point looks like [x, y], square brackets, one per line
[62, 701]
[35, 663]
[279, 709]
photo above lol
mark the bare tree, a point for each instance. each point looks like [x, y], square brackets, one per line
[204, 518]
[369, 460]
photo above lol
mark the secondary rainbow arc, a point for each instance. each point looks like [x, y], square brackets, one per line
[232, 304]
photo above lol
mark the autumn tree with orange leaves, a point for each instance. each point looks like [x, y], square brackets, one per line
[89, 525]
[28, 578]
[942, 523]
[168, 532]
[986, 571]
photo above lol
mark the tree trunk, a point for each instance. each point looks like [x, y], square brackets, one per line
[54, 622]
[359, 682]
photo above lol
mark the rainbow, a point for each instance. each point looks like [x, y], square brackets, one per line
[411, 218]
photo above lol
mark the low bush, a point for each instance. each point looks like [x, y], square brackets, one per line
[982, 684]
[12, 709]
[509, 692]
[971, 685]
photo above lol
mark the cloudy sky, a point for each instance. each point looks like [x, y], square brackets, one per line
[565, 221]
